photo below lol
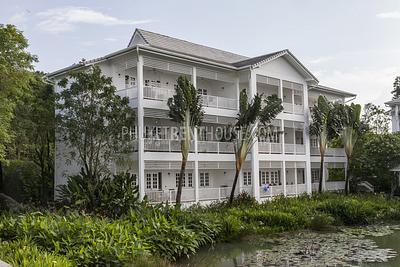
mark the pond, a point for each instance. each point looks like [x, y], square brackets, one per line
[374, 246]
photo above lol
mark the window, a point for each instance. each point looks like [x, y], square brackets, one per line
[299, 137]
[315, 175]
[314, 142]
[152, 180]
[246, 178]
[146, 82]
[301, 179]
[190, 179]
[204, 179]
[264, 177]
[177, 179]
[275, 177]
[202, 91]
[129, 81]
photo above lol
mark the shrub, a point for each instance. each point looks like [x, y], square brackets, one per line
[25, 253]
[321, 221]
[111, 196]
[349, 211]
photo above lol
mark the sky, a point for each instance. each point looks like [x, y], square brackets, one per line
[352, 45]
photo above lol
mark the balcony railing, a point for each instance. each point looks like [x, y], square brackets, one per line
[157, 93]
[330, 152]
[215, 147]
[297, 149]
[272, 191]
[188, 194]
[164, 145]
[219, 102]
[130, 92]
[293, 108]
[163, 94]
[269, 148]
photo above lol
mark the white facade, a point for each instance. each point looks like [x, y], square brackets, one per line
[395, 113]
[288, 162]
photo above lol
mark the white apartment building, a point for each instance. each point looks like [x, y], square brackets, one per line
[395, 113]
[146, 72]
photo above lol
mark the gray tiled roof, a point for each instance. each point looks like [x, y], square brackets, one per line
[181, 46]
[255, 60]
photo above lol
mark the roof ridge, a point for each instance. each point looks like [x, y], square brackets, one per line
[186, 41]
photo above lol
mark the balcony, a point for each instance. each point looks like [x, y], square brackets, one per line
[330, 152]
[163, 94]
[296, 149]
[269, 148]
[188, 194]
[164, 145]
[219, 102]
[130, 92]
[215, 147]
[293, 108]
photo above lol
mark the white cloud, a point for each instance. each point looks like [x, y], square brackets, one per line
[320, 60]
[66, 19]
[389, 15]
[370, 85]
[20, 19]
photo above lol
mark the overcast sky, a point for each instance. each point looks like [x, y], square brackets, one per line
[349, 45]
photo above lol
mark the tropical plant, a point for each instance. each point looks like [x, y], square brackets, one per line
[90, 121]
[322, 127]
[111, 196]
[251, 114]
[16, 65]
[349, 128]
[185, 108]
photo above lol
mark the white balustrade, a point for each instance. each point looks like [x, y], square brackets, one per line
[219, 102]
[214, 193]
[130, 92]
[334, 186]
[293, 108]
[269, 148]
[297, 149]
[157, 93]
[291, 189]
[301, 188]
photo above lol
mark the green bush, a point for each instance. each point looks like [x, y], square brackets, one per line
[25, 253]
[110, 196]
[349, 211]
[321, 221]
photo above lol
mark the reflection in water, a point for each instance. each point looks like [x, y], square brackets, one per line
[303, 249]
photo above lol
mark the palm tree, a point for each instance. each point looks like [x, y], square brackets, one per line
[186, 110]
[246, 128]
[322, 126]
[349, 130]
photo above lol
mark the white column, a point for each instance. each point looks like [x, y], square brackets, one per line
[396, 119]
[284, 177]
[283, 136]
[254, 149]
[241, 181]
[196, 153]
[295, 178]
[306, 137]
[140, 123]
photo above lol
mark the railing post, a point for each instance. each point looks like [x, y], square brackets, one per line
[219, 193]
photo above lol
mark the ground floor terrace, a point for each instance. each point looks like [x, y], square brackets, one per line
[214, 180]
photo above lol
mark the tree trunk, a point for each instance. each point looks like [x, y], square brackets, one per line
[321, 173]
[179, 192]
[348, 176]
[234, 186]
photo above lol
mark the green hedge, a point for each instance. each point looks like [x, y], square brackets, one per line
[166, 232]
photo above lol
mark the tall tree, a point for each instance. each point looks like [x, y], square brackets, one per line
[186, 109]
[376, 119]
[34, 127]
[322, 127]
[349, 128]
[15, 74]
[246, 130]
[90, 118]
[396, 88]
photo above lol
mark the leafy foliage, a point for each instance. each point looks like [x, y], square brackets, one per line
[186, 109]
[90, 120]
[396, 88]
[244, 134]
[376, 119]
[15, 74]
[111, 196]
